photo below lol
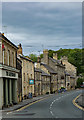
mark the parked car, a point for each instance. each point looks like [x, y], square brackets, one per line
[82, 86]
[62, 90]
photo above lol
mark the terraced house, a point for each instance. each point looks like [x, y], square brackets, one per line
[70, 72]
[46, 67]
[27, 74]
[8, 72]
[38, 81]
[42, 79]
[56, 68]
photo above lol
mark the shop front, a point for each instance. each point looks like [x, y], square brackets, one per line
[8, 86]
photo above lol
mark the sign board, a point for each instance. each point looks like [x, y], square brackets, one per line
[10, 74]
[31, 82]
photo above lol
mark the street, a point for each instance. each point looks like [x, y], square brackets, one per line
[56, 106]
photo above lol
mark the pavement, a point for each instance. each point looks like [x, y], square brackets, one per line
[24, 103]
[53, 106]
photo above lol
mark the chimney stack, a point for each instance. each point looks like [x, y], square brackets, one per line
[3, 34]
[19, 49]
[38, 59]
[38, 62]
[55, 56]
[64, 58]
[45, 56]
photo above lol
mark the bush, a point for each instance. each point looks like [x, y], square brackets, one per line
[47, 92]
[79, 82]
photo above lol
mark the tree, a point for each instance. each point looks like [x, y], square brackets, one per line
[79, 82]
[33, 57]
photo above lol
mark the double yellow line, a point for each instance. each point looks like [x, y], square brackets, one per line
[22, 108]
[74, 102]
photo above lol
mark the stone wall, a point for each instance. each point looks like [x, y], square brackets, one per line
[12, 54]
[37, 83]
[27, 74]
[45, 85]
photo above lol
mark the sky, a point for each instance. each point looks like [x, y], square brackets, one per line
[43, 25]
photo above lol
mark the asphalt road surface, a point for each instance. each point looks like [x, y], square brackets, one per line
[56, 106]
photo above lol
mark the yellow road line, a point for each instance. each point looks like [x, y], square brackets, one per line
[74, 102]
[31, 104]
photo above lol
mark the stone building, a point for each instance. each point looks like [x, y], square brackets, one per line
[53, 77]
[45, 85]
[27, 74]
[67, 79]
[38, 81]
[71, 70]
[58, 68]
[8, 72]
[19, 81]
[42, 79]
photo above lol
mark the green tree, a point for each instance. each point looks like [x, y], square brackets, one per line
[33, 57]
[80, 82]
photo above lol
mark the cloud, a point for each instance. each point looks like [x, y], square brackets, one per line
[43, 23]
[42, 0]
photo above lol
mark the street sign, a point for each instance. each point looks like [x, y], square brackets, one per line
[31, 82]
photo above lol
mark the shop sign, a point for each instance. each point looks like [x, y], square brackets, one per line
[10, 74]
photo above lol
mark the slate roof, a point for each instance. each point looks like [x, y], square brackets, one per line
[25, 58]
[67, 74]
[37, 70]
[44, 74]
[49, 68]
[56, 61]
[72, 77]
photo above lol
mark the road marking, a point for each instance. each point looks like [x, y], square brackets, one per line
[22, 108]
[52, 113]
[74, 102]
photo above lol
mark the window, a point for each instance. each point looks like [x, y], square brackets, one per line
[62, 77]
[3, 56]
[24, 76]
[8, 57]
[12, 59]
[27, 76]
[31, 76]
